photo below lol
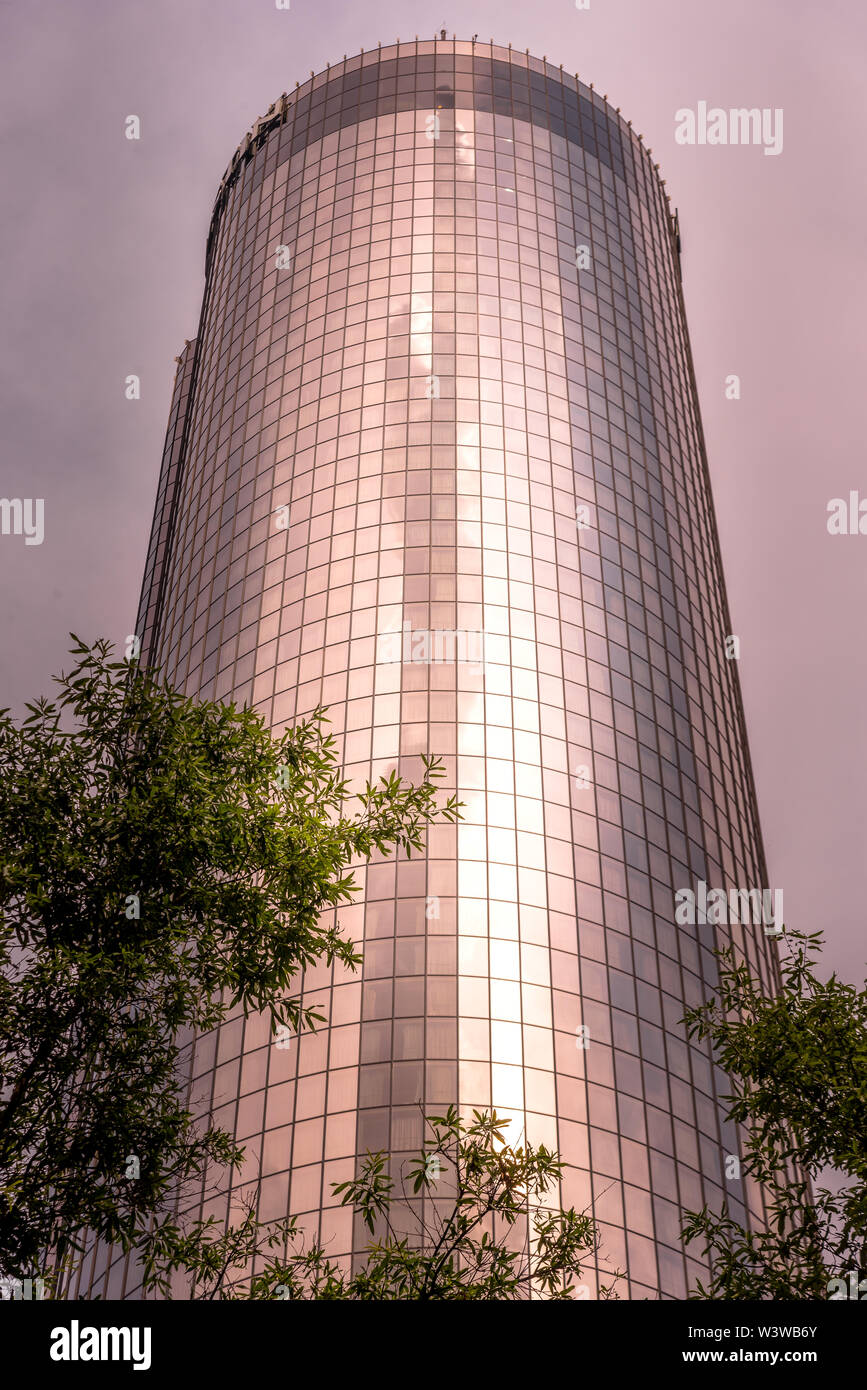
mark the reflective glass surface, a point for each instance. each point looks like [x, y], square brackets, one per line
[467, 391]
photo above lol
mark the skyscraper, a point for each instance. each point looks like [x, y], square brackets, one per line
[435, 461]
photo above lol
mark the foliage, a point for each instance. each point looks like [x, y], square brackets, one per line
[486, 1231]
[163, 863]
[798, 1063]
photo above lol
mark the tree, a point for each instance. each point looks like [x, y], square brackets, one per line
[798, 1063]
[488, 1233]
[163, 862]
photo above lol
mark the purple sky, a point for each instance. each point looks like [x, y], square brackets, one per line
[102, 259]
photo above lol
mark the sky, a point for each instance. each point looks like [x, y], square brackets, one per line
[102, 243]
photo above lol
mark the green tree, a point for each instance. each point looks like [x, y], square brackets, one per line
[163, 862]
[487, 1231]
[798, 1065]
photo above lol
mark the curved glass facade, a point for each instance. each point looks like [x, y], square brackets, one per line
[435, 461]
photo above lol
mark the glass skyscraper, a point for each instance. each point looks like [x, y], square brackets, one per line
[435, 461]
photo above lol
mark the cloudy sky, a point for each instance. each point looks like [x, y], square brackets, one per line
[101, 273]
